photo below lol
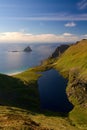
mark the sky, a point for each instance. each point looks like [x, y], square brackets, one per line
[42, 21]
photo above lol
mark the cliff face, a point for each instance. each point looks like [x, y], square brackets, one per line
[59, 50]
[77, 89]
[77, 94]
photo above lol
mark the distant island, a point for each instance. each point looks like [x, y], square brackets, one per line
[27, 49]
[14, 51]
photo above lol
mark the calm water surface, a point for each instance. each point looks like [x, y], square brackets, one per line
[12, 62]
[52, 88]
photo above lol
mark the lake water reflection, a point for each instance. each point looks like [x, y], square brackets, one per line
[52, 88]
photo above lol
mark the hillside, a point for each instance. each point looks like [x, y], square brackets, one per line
[75, 57]
[20, 105]
[17, 99]
[19, 96]
[72, 64]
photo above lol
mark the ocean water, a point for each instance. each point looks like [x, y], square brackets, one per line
[12, 62]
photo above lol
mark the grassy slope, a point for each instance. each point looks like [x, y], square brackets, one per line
[73, 65]
[19, 105]
[16, 92]
[74, 57]
[19, 96]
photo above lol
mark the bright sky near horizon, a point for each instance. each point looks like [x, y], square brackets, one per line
[42, 20]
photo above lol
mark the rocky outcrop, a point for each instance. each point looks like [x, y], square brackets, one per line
[77, 88]
[27, 49]
[59, 50]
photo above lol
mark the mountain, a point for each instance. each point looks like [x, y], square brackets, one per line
[72, 64]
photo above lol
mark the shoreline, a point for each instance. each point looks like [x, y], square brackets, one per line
[14, 73]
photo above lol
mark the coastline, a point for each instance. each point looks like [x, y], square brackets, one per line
[14, 73]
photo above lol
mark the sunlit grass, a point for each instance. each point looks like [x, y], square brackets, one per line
[73, 65]
[74, 57]
[16, 118]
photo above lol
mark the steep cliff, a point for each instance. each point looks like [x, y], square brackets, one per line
[59, 50]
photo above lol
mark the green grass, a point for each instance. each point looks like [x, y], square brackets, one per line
[72, 64]
[19, 96]
[20, 104]
[74, 57]
[28, 77]
[12, 118]
[79, 117]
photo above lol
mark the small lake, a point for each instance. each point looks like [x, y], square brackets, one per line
[52, 88]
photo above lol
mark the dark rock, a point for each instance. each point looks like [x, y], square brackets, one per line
[59, 50]
[27, 49]
[14, 51]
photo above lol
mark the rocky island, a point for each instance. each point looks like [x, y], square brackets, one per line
[27, 49]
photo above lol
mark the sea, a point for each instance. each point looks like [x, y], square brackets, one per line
[14, 60]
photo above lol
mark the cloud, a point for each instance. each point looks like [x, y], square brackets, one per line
[82, 4]
[70, 24]
[22, 37]
[50, 17]
[67, 34]
[85, 36]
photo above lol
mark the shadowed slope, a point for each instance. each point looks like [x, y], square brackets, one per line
[14, 92]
